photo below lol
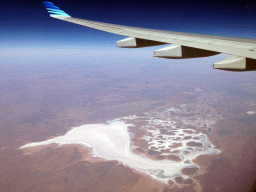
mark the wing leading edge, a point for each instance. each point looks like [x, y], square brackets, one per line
[184, 45]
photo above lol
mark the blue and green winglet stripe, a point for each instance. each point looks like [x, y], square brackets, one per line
[54, 10]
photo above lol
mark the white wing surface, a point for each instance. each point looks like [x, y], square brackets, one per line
[242, 51]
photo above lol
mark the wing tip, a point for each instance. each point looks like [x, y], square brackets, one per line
[54, 11]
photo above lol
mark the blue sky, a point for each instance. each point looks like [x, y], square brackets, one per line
[28, 24]
[29, 33]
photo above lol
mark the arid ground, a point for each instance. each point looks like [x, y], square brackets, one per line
[203, 120]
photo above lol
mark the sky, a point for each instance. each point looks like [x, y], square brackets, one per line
[27, 23]
[29, 36]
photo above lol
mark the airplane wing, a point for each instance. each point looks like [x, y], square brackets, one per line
[242, 51]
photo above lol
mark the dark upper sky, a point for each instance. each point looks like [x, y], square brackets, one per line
[27, 23]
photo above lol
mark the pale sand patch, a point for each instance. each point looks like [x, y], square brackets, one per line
[251, 112]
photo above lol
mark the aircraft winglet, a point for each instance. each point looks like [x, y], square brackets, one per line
[54, 11]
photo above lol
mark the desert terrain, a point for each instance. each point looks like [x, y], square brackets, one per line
[201, 122]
